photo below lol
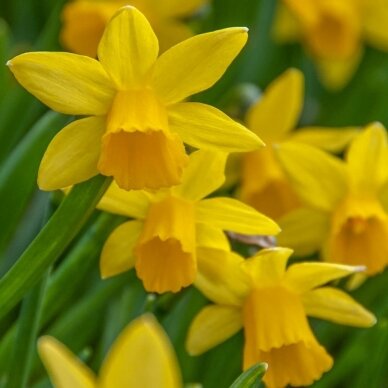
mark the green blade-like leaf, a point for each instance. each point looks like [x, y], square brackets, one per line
[53, 239]
[251, 378]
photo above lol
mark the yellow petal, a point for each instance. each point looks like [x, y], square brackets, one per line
[268, 266]
[67, 83]
[133, 203]
[118, 255]
[197, 63]
[171, 32]
[142, 356]
[208, 236]
[328, 139]
[303, 277]
[203, 175]
[72, 155]
[166, 258]
[374, 21]
[336, 306]
[286, 27]
[264, 185]
[128, 48]
[318, 178]
[65, 370]
[220, 276]
[297, 365]
[336, 73]
[83, 38]
[179, 8]
[203, 126]
[367, 159]
[304, 230]
[232, 215]
[278, 111]
[212, 326]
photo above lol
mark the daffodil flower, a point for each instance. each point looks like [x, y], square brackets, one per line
[345, 213]
[334, 32]
[136, 122]
[84, 21]
[169, 226]
[271, 303]
[274, 118]
[142, 356]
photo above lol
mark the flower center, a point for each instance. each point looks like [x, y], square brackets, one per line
[165, 253]
[359, 235]
[277, 332]
[138, 149]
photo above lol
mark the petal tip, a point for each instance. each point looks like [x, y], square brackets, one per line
[9, 63]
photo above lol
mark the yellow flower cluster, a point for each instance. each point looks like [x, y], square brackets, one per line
[135, 122]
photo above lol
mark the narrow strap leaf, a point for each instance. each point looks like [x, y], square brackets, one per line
[251, 378]
[53, 239]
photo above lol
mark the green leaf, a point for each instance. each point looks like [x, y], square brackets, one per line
[51, 242]
[19, 173]
[251, 378]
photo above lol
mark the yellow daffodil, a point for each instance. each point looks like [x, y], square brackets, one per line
[142, 356]
[271, 304]
[274, 117]
[346, 204]
[169, 226]
[136, 122]
[334, 32]
[84, 21]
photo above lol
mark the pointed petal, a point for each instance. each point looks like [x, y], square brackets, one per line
[129, 48]
[336, 73]
[235, 216]
[208, 236]
[197, 63]
[179, 8]
[278, 111]
[328, 139]
[220, 276]
[65, 370]
[67, 83]
[304, 230]
[212, 326]
[318, 178]
[142, 356]
[203, 175]
[203, 126]
[171, 32]
[117, 255]
[367, 159]
[133, 203]
[374, 22]
[336, 306]
[303, 277]
[268, 266]
[72, 155]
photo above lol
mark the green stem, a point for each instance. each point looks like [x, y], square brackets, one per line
[27, 331]
[51, 242]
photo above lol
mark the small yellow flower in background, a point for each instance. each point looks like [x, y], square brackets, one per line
[136, 122]
[84, 21]
[274, 118]
[271, 303]
[170, 226]
[334, 32]
[345, 213]
[142, 356]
